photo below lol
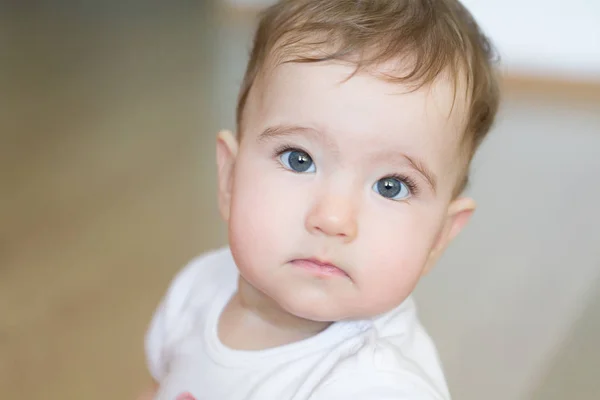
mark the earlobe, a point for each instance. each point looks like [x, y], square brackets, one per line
[459, 214]
[227, 148]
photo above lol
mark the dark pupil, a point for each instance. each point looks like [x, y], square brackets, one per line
[299, 161]
[389, 187]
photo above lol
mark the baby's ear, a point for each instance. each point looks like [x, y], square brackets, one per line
[459, 213]
[227, 148]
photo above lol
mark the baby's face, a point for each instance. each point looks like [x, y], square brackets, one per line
[340, 193]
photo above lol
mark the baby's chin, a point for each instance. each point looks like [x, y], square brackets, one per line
[320, 309]
[333, 309]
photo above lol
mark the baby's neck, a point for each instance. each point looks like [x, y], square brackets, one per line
[252, 321]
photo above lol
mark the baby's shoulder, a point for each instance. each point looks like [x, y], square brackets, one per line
[201, 276]
[194, 288]
[186, 301]
[397, 358]
[379, 384]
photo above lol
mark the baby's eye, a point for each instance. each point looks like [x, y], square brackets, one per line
[297, 161]
[392, 188]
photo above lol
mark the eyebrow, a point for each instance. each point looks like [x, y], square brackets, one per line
[424, 170]
[279, 131]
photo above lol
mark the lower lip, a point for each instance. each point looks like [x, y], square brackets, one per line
[318, 269]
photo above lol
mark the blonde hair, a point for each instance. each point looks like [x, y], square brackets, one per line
[428, 37]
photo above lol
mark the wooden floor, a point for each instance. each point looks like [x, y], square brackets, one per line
[106, 188]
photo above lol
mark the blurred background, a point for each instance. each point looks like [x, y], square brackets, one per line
[107, 187]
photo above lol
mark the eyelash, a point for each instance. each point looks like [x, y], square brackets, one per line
[408, 181]
[283, 148]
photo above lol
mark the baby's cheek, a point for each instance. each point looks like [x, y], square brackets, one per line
[394, 280]
[392, 268]
[253, 233]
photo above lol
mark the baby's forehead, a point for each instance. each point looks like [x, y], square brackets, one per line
[299, 87]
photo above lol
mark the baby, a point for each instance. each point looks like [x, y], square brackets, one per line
[356, 125]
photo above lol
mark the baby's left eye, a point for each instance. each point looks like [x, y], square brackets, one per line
[392, 188]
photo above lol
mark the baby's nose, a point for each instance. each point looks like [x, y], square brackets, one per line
[333, 216]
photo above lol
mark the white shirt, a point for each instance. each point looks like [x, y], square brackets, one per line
[388, 358]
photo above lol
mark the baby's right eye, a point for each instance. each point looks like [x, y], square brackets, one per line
[297, 161]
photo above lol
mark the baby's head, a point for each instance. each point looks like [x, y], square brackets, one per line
[357, 122]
